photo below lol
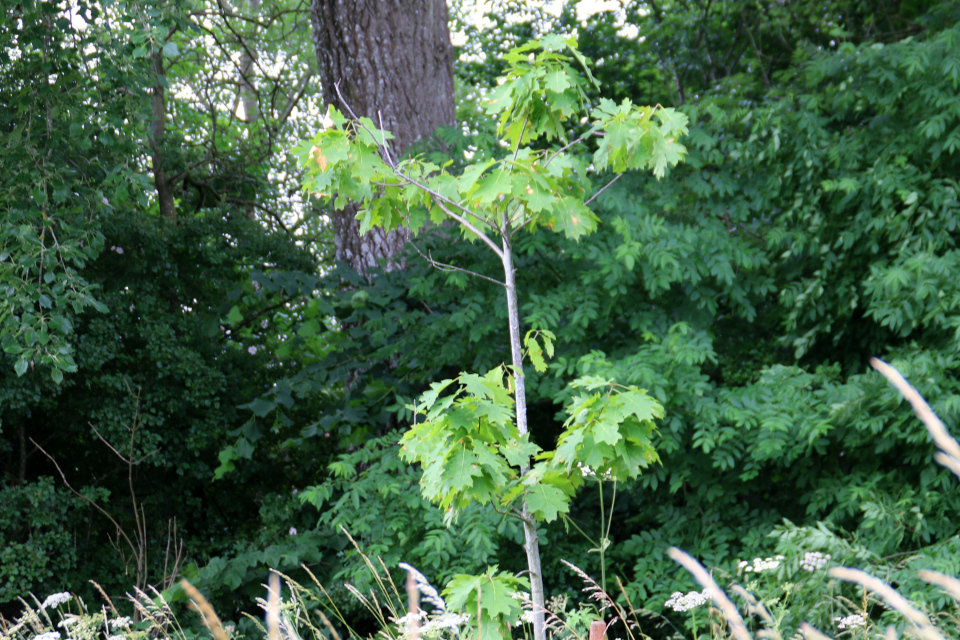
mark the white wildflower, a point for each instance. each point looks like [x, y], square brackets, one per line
[680, 602]
[115, 638]
[759, 565]
[66, 622]
[445, 621]
[587, 472]
[814, 560]
[406, 622]
[293, 531]
[252, 351]
[50, 635]
[123, 622]
[56, 600]
[851, 621]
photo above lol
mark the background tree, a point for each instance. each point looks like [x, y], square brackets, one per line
[393, 62]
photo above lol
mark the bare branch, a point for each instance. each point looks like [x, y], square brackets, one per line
[605, 187]
[103, 511]
[567, 146]
[294, 99]
[449, 267]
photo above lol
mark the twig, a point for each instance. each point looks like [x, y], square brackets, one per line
[520, 138]
[442, 266]
[565, 147]
[83, 497]
[605, 187]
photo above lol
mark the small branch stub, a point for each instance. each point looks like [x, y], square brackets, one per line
[598, 630]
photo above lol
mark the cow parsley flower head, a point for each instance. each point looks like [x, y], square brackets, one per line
[50, 635]
[814, 560]
[680, 602]
[56, 600]
[759, 565]
[851, 621]
[118, 623]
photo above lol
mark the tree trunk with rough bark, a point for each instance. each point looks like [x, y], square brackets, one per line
[394, 64]
[155, 138]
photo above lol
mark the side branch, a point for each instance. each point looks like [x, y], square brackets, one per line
[441, 200]
[449, 267]
[602, 189]
[103, 511]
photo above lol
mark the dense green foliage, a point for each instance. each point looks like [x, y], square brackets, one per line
[812, 225]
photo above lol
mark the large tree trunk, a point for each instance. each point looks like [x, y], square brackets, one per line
[394, 63]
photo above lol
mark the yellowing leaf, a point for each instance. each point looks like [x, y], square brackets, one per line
[320, 158]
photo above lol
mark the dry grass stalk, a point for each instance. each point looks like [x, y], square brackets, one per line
[756, 608]
[950, 456]
[948, 584]
[811, 633]
[594, 590]
[720, 599]
[323, 618]
[210, 619]
[105, 597]
[925, 629]
[273, 607]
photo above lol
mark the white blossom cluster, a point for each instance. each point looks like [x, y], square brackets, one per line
[50, 635]
[587, 472]
[122, 622]
[851, 621]
[759, 565]
[66, 622]
[56, 600]
[814, 560]
[680, 602]
[430, 626]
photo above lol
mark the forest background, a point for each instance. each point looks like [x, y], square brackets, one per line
[193, 385]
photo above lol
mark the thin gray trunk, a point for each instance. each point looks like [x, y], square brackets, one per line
[531, 543]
